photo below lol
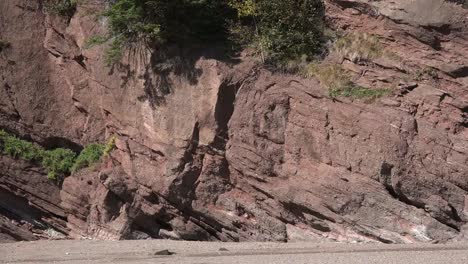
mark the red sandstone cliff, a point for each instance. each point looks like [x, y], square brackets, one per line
[216, 150]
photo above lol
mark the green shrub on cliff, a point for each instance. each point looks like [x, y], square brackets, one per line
[156, 22]
[65, 8]
[90, 155]
[58, 162]
[18, 148]
[283, 29]
[280, 29]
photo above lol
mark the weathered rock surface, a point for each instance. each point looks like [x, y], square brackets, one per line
[29, 203]
[209, 149]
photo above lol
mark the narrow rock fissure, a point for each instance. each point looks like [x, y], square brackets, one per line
[223, 113]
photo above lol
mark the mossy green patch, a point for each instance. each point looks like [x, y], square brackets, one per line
[90, 155]
[58, 162]
[17, 148]
[339, 84]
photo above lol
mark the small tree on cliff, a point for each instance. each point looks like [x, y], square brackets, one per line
[283, 29]
[159, 22]
[280, 29]
[65, 8]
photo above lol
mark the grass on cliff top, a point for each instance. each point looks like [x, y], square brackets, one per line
[277, 29]
[339, 84]
[358, 47]
[57, 162]
[358, 92]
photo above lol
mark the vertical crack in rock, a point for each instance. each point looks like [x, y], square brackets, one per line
[182, 189]
[223, 113]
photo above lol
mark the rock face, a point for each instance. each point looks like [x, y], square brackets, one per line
[210, 149]
[29, 203]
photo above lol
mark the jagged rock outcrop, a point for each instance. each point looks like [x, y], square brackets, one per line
[29, 203]
[212, 149]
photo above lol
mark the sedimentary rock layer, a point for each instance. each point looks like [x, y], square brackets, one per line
[216, 149]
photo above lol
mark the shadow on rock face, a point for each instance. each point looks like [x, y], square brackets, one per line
[60, 142]
[180, 62]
